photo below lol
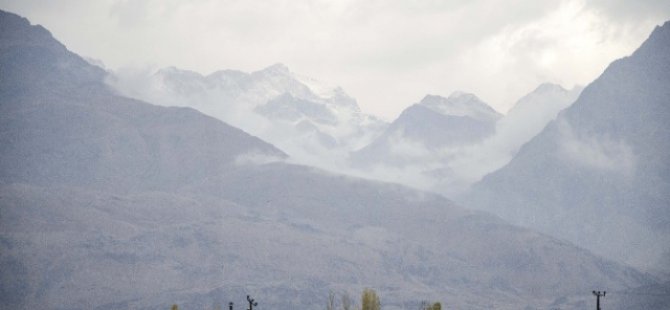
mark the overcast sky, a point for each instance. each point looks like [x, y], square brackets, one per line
[387, 54]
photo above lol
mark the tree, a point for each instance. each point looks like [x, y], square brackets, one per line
[175, 307]
[346, 301]
[427, 306]
[330, 305]
[370, 300]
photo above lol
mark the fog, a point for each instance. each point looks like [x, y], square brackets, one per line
[333, 129]
[266, 181]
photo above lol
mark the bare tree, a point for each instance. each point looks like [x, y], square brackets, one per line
[331, 301]
[425, 305]
[346, 301]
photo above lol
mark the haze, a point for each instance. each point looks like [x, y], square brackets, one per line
[386, 54]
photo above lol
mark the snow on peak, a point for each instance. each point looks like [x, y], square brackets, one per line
[549, 87]
[278, 68]
[319, 88]
[545, 101]
[461, 95]
[461, 104]
[174, 72]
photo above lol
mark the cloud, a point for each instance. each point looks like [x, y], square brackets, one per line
[256, 159]
[387, 54]
[596, 152]
[631, 11]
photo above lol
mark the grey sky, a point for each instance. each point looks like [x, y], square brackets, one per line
[387, 54]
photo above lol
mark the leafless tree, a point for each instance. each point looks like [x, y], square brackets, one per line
[331, 301]
[346, 301]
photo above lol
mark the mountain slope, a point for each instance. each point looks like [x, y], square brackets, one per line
[60, 124]
[111, 203]
[602, 169]
[525, 120]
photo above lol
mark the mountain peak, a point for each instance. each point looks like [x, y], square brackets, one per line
[279, 68]
[657, 46]
[548, 87]
[462, 95]
[11, 19]
[16, 30]
[460, 104]
[173, 71]
[665, 28]
[36, 54]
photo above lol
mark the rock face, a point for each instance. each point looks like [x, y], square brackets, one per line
[111, 203]
[599, 175]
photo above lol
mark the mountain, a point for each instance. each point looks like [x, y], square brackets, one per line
[599, 175]
[315, 123]
[524, 121]
[531, 114]
[426, 128]
[112, 203]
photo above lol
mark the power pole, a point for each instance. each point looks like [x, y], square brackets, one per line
[598, 294]
[252, 304]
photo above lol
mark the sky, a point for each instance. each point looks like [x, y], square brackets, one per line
[386, 54]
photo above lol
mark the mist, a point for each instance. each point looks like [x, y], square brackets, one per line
[344, 130]
[377, 163]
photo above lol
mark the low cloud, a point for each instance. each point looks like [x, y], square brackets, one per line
[256, 158]
[596, 151]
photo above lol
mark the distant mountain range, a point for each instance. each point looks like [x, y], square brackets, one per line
[314, 123]
[447, 144]
[108, 202]
[439, 144]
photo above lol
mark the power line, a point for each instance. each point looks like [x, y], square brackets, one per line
[252, 303]
[598, 294]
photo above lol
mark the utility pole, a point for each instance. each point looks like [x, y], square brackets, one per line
[252, 304]
[598, 294]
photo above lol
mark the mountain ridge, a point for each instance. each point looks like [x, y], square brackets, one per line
[605, 159]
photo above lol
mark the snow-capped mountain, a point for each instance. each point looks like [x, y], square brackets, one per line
[429, 128]
[108, 202]
[446, 144]
[314, 123]
[461, 104]
[525, 120]
[602, 168]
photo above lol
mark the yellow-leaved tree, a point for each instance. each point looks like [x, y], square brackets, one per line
[370, 300]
